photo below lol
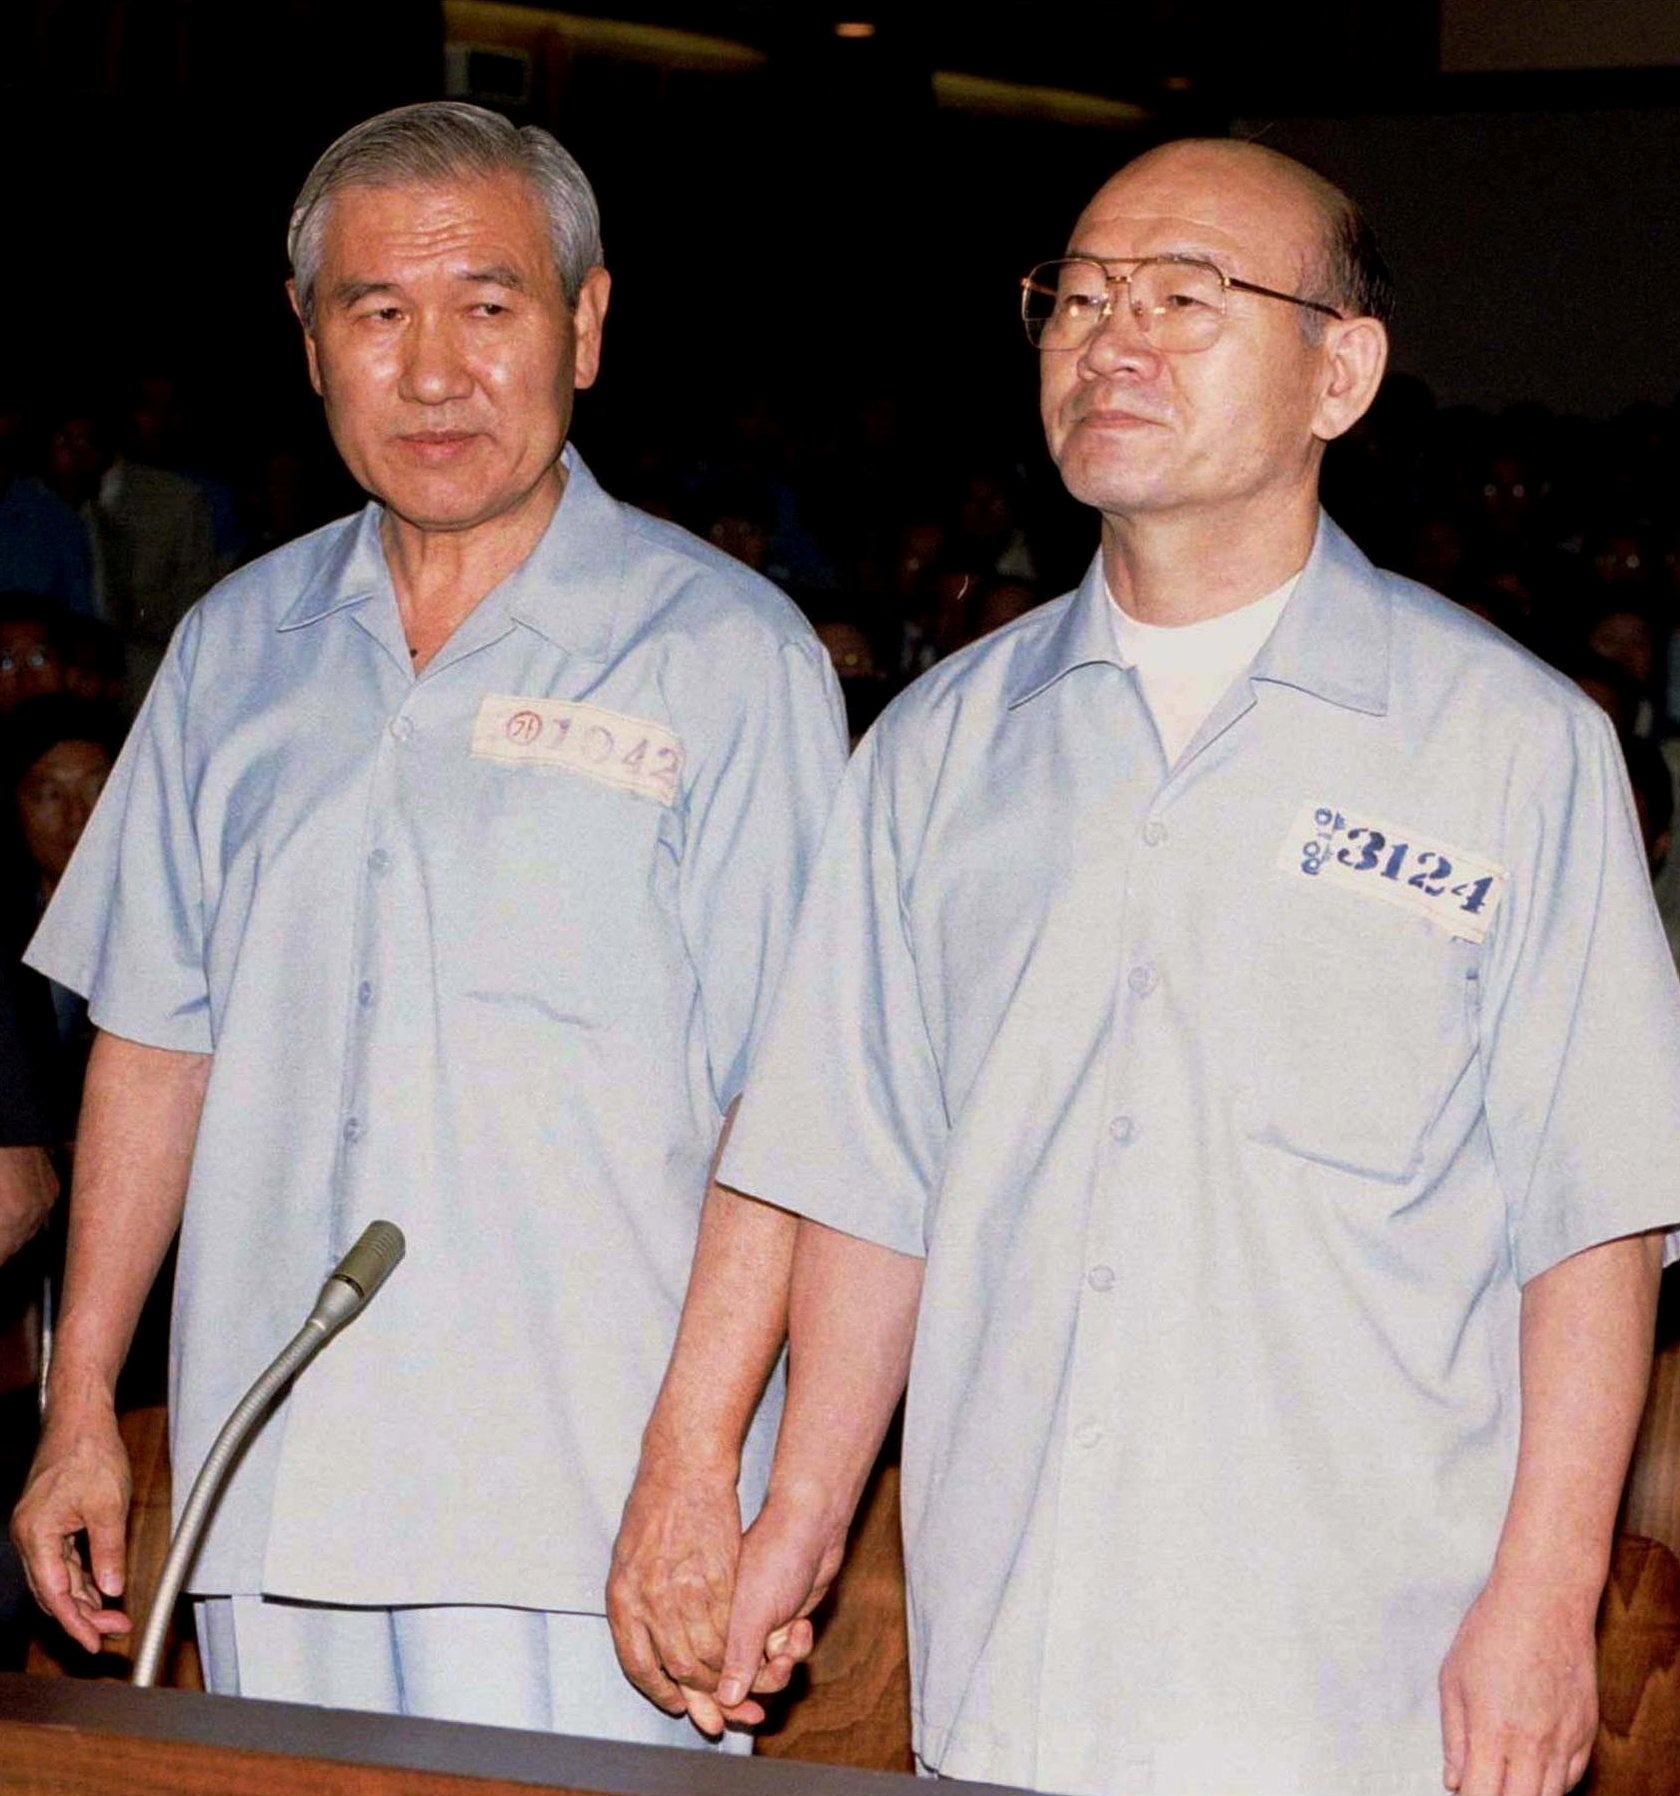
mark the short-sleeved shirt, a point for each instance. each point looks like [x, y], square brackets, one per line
[483, 951]
[1231, 1104]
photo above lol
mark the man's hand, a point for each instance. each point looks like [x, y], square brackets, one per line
[28, 1189]
[80, 1480]
[788, 1561]
[668, 1594]
[1519, 1694]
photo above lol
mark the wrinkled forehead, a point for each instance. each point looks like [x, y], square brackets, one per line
[426, 216]
[1250, 221]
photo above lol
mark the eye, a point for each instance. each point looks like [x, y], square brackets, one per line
[490, 308]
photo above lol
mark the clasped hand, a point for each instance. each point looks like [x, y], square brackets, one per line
[704, 1619]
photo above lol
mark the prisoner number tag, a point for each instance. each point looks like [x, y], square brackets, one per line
[627, 752]
[1455, 891]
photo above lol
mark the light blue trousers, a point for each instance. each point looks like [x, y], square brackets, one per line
[526, 1668]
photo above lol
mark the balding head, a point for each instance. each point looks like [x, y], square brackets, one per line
[1219, 406]
[1331, 250]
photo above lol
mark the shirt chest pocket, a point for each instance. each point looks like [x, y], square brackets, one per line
[569, 890]
[1364, 1024]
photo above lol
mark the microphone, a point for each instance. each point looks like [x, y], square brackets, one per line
[349, 1289]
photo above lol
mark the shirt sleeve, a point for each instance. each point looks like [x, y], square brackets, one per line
[844, 1117]
[754, 822]
[1581, 1020]
[126, 926]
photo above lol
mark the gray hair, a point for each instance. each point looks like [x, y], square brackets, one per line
[439, 141]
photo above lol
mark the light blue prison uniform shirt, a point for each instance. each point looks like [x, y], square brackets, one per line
[1230, 1119]
[483, 951]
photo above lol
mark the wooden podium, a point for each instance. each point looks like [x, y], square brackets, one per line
[60, 1737]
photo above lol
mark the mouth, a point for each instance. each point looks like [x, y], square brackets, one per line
[1112, 418]
[437, 447]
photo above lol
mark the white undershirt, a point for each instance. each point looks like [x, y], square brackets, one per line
[1186, 669]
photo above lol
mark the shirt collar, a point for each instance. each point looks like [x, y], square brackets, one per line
[568, 588]
[1081, 636]
[1332, 640]
[1333, 637]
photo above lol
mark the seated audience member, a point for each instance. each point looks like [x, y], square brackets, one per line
[1653, 798]
[986, 536]
[738, 517]
[30, 666]
[43, 544]
[153, 536]
[55, 755]
[1627, 634]
[93, 660]
[1610, 686]
[159, 433]
[864, 683]
[1000, 602]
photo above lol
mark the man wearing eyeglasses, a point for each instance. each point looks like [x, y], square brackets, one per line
[1229, 1037]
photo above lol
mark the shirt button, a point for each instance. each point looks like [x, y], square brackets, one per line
[402, 728]
[1120, 1130]
[379, 860]
[1087, 1434]
[1141, 980]
[364, 993]
[1154, 833]
[352, 1130]
[1100, 1278]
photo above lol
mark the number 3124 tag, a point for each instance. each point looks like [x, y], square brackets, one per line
[1456, 891]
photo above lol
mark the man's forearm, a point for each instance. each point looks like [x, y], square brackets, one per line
[851, 1322]
[139, 1120]
[1587, 1325]
[733, 1322]
[1518, 1687]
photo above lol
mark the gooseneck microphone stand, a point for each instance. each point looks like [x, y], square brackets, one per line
[347, 1292]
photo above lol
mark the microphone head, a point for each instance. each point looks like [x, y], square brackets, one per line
[373, 1258]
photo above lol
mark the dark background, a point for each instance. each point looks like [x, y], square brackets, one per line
[807, 219]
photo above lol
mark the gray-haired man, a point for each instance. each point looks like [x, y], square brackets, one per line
[445, 879]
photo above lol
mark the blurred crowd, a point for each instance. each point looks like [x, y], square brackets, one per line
[902, 538]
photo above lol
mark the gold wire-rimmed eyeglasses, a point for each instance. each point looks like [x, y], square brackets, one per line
[1179, 302]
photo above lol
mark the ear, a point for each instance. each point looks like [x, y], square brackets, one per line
[589, 319]
[311, 354]
[1352, 358]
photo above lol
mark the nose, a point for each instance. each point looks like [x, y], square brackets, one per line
[434, 369]
[1119, 344]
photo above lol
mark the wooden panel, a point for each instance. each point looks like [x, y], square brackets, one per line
[853, 1704]
[66, 1738]
[40, 1761]
[1638, 1750]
